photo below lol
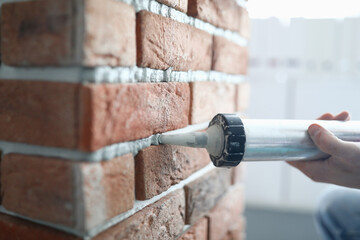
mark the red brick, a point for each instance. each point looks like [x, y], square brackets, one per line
[243, 92]
[108, 188]
[199, 231]
[160, 167]
[245, 24]
[180, 5]
[221, 13]
[236, 231]
[12, 228]
[41, 113]
[48, 189]
[31, 188]
[67, 32]
[91, 116]
[209, 99]
[37, 32]
[162, 220]
[226, 212]
[109, 33]
[163, 43]
[203, 193]
[121, 112]
[229, 57]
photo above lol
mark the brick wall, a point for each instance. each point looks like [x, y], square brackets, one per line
[85, 84]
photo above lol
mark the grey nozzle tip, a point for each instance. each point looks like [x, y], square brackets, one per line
[155, 139]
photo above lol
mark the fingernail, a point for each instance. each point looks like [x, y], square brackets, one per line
[314, 130]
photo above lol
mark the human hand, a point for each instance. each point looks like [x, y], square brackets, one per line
[343, 165]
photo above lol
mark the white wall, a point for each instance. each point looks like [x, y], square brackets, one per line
[299, 70]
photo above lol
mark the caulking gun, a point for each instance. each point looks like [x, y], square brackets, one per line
[230, 140]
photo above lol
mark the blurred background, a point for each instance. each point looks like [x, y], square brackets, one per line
[304, 61]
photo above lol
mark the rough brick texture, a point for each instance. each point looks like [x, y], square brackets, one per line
[242, 97]
[41, 113]
[222, 13]
[109, 33]
[245, 24]
[229, 57]
[161, 220]
[91, 116]
[108, 188]
[180, 5]
[48, 189]
[159, 167]
[38, 32]
[226, 211]
[86, 117]
[203, 193]
[121, 112]
[59, 32]
[163, 43]
[12, 228]
[236, 231]
[199, 231]
[31, 187]
[211, 98]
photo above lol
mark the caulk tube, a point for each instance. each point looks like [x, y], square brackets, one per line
[288, 140]
[230, 140]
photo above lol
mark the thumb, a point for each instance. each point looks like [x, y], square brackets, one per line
[327, 141]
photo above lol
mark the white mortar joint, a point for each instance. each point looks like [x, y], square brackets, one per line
[115, 75]
[169, 12]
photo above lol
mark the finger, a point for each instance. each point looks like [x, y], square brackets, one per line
[328, 142]
[343, 116]
[326, 116]
[315, 170]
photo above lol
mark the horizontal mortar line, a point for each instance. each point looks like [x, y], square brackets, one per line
[103, 154]
[115, 75]
[138, 206]
[169, 12]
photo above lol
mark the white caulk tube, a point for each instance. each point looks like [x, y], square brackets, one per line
[230, 140]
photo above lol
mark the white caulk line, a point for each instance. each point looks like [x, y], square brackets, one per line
[139, 205]
[114, 75]
[64, 74]
[185, 228]
[169, 12]
[106, 153]
[138, 74]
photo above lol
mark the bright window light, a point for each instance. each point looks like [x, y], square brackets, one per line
[304, 8]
